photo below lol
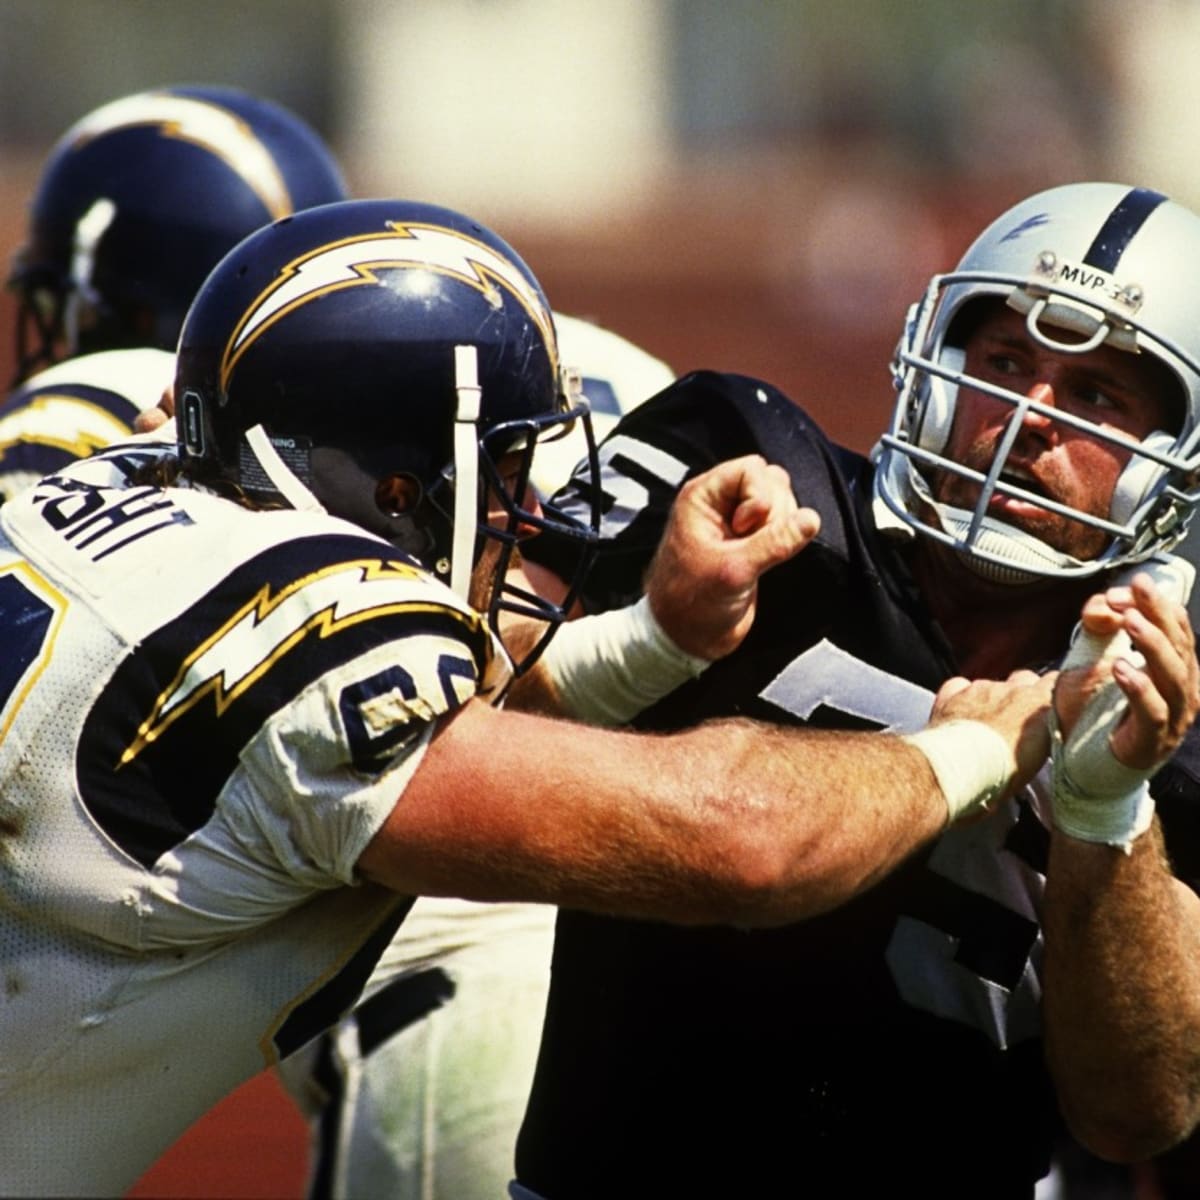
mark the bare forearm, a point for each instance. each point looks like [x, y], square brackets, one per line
[1122, 995]
[730, 822]
[816, 816]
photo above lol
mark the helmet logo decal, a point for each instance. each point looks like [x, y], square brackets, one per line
[1030, 223]
[358, 262]
[215, 129]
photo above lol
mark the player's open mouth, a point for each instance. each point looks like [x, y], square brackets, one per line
[1015, 504]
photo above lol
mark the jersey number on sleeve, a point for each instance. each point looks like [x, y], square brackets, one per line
[628, 471]
[378, 712]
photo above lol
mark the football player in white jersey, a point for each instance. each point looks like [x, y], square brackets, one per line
[111, 259]
[247, 695]
[76, 407]
[135, 204]
[419, 1092]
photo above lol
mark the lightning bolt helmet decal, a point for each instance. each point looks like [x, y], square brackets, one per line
[378, 359]
[360, 261]
[140, 199]
[216, 129]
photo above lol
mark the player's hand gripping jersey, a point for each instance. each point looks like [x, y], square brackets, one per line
[894, 1041]
[191, 761]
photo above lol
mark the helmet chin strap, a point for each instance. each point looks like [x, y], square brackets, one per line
[285, 481]
[998, 552]
[1019, 550]
[466, 469]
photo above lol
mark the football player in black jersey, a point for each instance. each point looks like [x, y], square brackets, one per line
[931, 1034]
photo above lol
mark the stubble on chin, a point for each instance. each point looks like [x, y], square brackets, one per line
[1060, 532]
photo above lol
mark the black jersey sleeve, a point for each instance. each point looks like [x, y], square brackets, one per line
[702, 419]
[1176, 791]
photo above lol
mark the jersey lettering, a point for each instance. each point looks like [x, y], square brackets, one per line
[103, 520]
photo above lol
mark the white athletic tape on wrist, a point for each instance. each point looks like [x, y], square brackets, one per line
[1094, 797]
[608, 668]
[971, 761]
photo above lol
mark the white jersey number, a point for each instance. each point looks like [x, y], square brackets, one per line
[625, 496]
[966, 951]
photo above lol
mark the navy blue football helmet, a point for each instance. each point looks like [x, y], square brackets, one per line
[377, 359]
[139, 200]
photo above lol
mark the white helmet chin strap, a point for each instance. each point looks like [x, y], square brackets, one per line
[282, 477]
[1002, 553]
[466, 469]
[998, 552]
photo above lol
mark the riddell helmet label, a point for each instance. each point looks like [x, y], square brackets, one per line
[359, 261]
[295, 453]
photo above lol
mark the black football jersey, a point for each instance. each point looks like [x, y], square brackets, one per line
[891, 1044]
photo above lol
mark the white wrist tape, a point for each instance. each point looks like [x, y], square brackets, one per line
[971, 761]
[1094, 797]
[608, 668]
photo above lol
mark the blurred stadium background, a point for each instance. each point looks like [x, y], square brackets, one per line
[750, 185]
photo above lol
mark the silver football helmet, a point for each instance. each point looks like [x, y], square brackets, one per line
[1103, 263]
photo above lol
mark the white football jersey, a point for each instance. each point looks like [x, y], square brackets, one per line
[74, 408]
[205, 715]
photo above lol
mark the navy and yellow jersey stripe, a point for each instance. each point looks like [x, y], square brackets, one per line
[74, 409]
[332, 997]
[167, 728]
[43, 429]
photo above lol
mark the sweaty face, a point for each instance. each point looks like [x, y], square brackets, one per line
[1121, 392]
